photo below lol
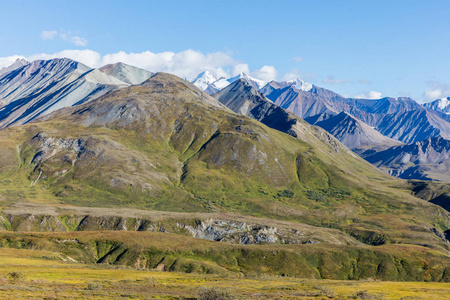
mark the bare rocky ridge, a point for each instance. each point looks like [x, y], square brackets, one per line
[126, 73]
[41, 87]
[17, 64]
[353, 133]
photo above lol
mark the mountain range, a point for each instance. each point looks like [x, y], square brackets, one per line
[233, 168]
[30, 90]
[365, 124]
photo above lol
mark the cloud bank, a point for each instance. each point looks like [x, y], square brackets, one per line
[370, 95]
[186, 64]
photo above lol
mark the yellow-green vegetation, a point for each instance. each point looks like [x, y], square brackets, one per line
[34, 274]
[171, 252]
[166, 146]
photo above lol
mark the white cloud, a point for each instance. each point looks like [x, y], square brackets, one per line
[293, 74]
[333, 80]
[48, 34]
[436, 90]
[298, 59]
[240, 68]
[370, 95]
[66, 36]
[433, 94]
[186, 64]
[78, 41]
[266, 73]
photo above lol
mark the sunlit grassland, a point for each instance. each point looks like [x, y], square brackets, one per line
[43, 274]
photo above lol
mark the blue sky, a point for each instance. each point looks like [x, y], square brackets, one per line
[356, 48]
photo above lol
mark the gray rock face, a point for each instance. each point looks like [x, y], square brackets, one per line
[244, 99]
[214, 229]
[428, 160]
[352, 132]
[244, 233]
[17, 64]
[441, 105]
[126, 73]
[42, 87]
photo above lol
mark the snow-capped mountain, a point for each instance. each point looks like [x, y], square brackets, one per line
[204, 80]
[210, 84]
[256, 83]
[43, 86]
[300, 85]
[442, 105]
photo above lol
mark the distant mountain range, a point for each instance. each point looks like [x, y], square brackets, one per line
[364, 125]
[427, 159]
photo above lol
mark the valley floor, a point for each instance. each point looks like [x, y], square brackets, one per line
[33, 274]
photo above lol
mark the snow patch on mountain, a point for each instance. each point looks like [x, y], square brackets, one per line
[300, 85]
[204, 80]
[209, 83]
[443, 103]
[254, 82]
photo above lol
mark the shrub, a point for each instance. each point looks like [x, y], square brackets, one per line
[16, 276]
[213, 294]
[327, 292]
[365, 295]
[94, 286]
[286, 194]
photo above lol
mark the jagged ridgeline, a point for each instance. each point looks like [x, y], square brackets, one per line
[165, 145]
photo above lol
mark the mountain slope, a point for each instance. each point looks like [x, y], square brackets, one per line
[352, 132]
[242, 98]
[427, 159]
[126, 73]
[17, 64]
[44, 86]
[165, 145]
[441, 105]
